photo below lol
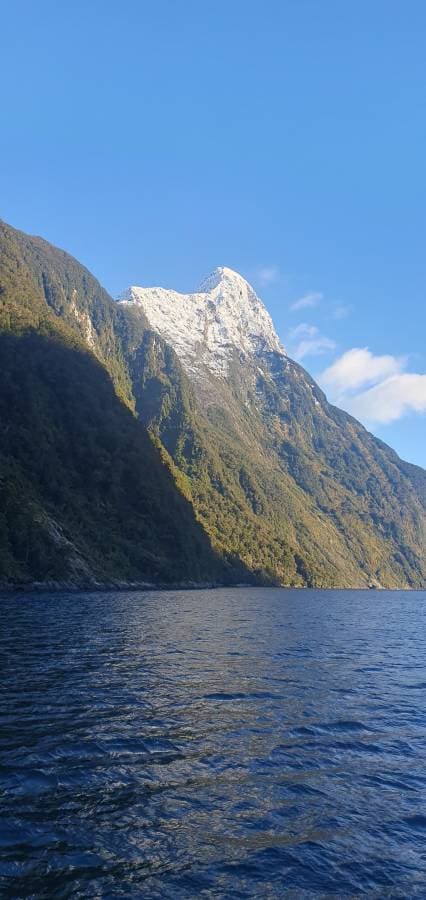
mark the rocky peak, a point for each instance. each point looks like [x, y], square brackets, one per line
[225, 278]
[206, 327]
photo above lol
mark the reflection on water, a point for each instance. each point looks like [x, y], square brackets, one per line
[232, 743]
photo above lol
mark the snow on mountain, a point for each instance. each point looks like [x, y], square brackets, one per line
[206, 327]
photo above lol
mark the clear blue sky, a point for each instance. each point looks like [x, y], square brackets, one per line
[285, 139]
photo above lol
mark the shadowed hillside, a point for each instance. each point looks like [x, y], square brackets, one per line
[85, 495]
[119, 462]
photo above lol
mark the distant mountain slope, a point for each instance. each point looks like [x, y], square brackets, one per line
[250, 473]
[280, 477]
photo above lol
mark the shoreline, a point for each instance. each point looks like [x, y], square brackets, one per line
[52, 587]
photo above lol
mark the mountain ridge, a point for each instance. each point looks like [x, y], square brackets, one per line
[280, 402]
[285, 488]
[203, 325]
[98, 503]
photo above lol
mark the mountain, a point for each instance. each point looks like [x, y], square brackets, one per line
[205, 328]
[291, 485]
[86, 497]
[168, 437]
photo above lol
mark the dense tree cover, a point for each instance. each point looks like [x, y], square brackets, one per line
[294, 487]
[114, 465]
[84, 493]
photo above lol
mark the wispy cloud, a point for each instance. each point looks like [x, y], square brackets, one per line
[268, 275]
[307, 301]
[341, 310]
[375, 389]
[307, 340]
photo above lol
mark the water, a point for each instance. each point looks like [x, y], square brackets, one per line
[233, 743]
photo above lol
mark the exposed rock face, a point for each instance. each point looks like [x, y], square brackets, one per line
[206, 327]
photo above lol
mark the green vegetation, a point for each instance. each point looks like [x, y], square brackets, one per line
[84, 493]
[293, 487]
[113, 465]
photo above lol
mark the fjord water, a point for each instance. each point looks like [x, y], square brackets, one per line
[228, 743]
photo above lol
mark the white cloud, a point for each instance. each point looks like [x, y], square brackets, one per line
[306, 340]
[307, 301]
[268, 275]
[358, 367]
[387, 391]
[389, 400]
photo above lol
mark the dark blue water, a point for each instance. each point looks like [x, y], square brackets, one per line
[232, 743]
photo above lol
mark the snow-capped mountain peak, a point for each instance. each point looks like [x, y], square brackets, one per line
[224, 276]
[206, 327]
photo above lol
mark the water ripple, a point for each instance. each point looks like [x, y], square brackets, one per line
[232, 743]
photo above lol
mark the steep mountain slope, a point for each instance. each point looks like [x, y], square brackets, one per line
[289, 483]
[205, 327]
[85, 496]
[249, 472]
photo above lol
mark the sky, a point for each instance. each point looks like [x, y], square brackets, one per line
[285, 139]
